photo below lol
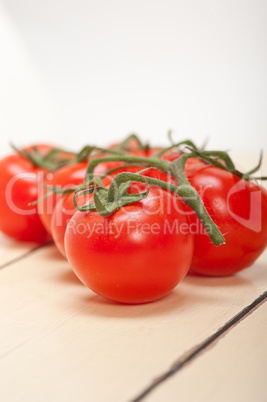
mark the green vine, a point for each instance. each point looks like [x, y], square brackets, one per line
[107, 200]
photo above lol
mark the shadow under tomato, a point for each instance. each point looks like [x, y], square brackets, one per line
[62, 271]
[54, 254]
[177, 300]
[216, 281]
[69, 277]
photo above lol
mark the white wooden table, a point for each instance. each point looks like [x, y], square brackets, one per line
[59, 342]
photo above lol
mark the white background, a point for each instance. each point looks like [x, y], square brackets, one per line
[83, 71]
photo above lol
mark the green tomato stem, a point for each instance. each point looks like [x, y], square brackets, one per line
[189, 195]
[164, 150]
[125, 143]
[192, 198]
[160, 164]
[184, 189]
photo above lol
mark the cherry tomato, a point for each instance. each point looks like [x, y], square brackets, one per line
[137, 254]
[62, 214]
[18, 188]
[64, 209]
[65, 177]
[60, 219]
[239, 209]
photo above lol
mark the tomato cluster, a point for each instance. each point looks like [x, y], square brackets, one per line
[134, 220]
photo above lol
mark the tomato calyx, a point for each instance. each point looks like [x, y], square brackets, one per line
[129, 159]
[184, 189]
[112, 199]
[52, 160]
[192, 198]
[107, 201]
[57, 190]
[132, 142]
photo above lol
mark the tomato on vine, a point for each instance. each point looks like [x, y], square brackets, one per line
[239, 208]
[137, 254]
[19, 187]
[63, 178]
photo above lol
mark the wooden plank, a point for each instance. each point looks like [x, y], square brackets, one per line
[234, 369]
[11, 250]
[60, 342]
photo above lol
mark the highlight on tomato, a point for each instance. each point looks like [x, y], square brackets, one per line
[199, 212]
[65, 208]
[62, 214]
[137, 254]
[134, 219]
[67, 176]
[239, 208]
[19, 187]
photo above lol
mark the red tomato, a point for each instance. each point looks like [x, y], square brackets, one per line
[18, 188]
[137, 254]
[65, 177]
[65, 208]
[239, 209]
[62, 214]
[60, 219]
[172, 155]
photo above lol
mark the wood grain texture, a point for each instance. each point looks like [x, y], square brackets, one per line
[12, 250]
[233, 370]
[61, 342]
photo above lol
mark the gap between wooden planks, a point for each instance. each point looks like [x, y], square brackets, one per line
[13, 251]
[233, 371]
[204, 347]
[149, 337]
[59, 341]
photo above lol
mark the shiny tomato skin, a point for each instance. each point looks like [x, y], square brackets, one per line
[130, 256]
[62, 214]
[18, 188]
[65, 177]
[239, 208]
[65, 208]
[60, 219]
